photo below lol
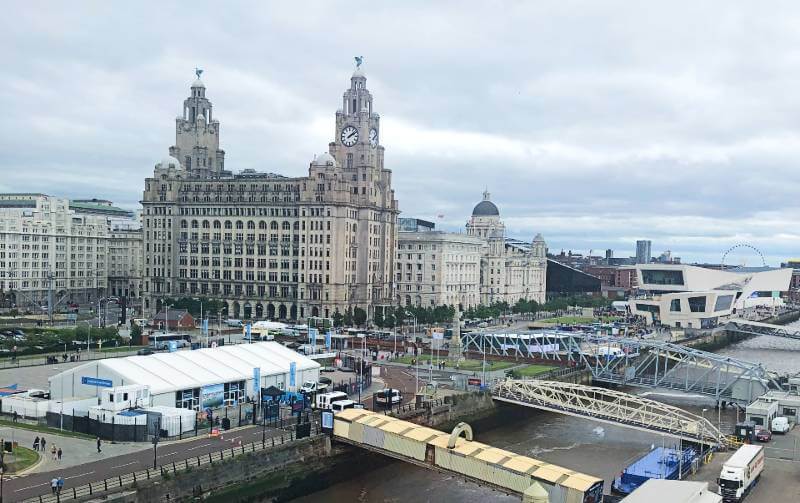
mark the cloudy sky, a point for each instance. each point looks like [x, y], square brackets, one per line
[595, 123]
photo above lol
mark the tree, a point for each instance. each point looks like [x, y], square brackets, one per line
[338, 319]
[377, 318]
[388, 320]
[136, 334]
[359, 316]
[348, 317]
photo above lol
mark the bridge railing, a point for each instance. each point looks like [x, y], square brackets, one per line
[129, 479]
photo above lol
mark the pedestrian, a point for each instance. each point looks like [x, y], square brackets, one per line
[53, 452]
[15, 416]
[42, 443]
[36, 444]
[60, 484]
[54, 485]
[98, 445]
[59, 453]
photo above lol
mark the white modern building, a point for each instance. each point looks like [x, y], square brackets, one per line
[190, 379]
[685, 296]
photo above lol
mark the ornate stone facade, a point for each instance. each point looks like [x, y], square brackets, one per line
[270, 246]
[510, 269]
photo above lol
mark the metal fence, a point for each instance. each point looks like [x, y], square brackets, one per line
[121, 481]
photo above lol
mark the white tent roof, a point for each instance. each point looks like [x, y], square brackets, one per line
[165, 372]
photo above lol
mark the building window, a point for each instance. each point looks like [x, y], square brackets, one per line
[675, 305]
[697, 304]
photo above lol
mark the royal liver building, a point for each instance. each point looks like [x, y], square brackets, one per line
[272, 246]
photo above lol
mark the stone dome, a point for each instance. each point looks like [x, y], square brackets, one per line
[324, 159]
[198, 83]
[485, 208]
[169, 162]
[359, 73]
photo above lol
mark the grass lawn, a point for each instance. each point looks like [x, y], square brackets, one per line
[478, 365]
[531, 370]
[44, 429]
[23, 458]
[463, 365]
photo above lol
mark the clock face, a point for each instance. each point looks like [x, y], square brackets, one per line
[373, 137]
[349, 136]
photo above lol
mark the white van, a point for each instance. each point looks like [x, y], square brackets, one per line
[324, 400]
[780, 425]
[388, 396]
[340, 405]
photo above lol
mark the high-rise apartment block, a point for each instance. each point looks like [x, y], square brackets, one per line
[643, 251]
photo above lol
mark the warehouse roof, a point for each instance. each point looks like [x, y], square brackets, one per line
[672, 491]
[165, 372]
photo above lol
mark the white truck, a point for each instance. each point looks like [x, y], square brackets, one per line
[741, 472]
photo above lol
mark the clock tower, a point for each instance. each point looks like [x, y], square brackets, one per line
[357, 137]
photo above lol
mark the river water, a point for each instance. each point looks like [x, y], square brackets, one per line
[590, 447]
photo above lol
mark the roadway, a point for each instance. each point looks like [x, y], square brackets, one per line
[35, 484]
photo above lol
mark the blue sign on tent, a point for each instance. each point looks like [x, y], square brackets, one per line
[247, 335]
[328, 339]
[292, 372]
[94, 381]
[205, 326]
[256, 380]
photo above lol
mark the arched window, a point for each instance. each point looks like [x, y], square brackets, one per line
[273, 225]
[205, 224]
[217, 225]
[184, 224]
[262, 225]
[286, 226]
[239, 225]
[194, 224]
[228, 224]
[251, 225]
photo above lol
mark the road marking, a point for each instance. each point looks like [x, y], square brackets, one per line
[168, 454]
[76, 476]
[31, 487]
[198, 447]
[126, 464]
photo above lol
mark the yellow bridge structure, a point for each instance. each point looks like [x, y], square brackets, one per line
[459, 455]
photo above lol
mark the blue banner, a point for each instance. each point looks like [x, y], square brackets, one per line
[247, 332]
[292, 374]
[328, 339]
[205, 326]
[312, 337]
[256, 380]
[94, 381]
[173, 346]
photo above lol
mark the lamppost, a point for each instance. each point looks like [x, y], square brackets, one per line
[2, 465]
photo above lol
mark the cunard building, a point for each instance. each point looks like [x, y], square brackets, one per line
[272, 246]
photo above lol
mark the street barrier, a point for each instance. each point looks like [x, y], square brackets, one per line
[121, 481]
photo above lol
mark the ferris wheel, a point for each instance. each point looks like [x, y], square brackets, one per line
[741, 255]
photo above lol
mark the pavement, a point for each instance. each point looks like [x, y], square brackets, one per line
[76, 451]
[111, 463]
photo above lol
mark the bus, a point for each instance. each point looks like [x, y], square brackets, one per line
[161, 341]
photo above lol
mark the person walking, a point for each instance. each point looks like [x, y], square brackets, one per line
[98, 445]
[36, 443]
[53, 452]
[42, 444]
[60, 484]
[54, 485]
[59, 453]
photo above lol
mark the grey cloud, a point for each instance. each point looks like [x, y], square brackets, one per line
[593, 123]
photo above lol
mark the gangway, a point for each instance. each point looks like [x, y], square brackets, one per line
[608, 406]
[758, 328]
[635, 362]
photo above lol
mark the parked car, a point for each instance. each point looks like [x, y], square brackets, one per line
[145, 352]
[763, 435]
[781, 424]
[327, 369]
